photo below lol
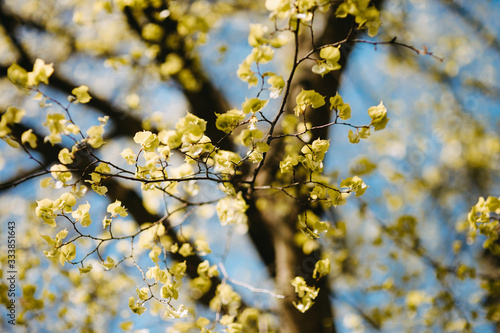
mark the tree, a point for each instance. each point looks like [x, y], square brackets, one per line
[132, 200]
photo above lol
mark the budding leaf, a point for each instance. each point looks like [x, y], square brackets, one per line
[82, 95]
[379, 116]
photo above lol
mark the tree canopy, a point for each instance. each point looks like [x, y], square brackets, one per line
[238, 166]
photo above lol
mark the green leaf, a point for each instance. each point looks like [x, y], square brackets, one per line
[82, 95]
[245, 73]
[17, 75]
[353, 136]
[288, 164]
[277, 84]
[155, 253]
[109, 263]
[345, 111]
[321, 268]
[363, 166]
[85, 269]
[262, 54]
[65, 156]
[248, 137]
[170, 138]
[126, 325]
[231, 210]
[29, 137]
[191, 128]
[41, 73]
[331, 54]
[225, 161]
[147, 140]
[136, 307]
[379, 116]
[173, 64]
[186, 250]
[179, 269]
[116, 209]
[202, 322]
[342, 10]
[256, 35]
[308, 98]
[202, 247]
[253, 105]
[228, 121]
[49, 240]
[68, 253]
[95, 138]
[181, 312]
[142, 293]
[13, 115]
[169, 291]
[355, 184]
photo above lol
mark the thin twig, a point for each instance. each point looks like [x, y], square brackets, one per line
[249, 287]
[424, 51]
